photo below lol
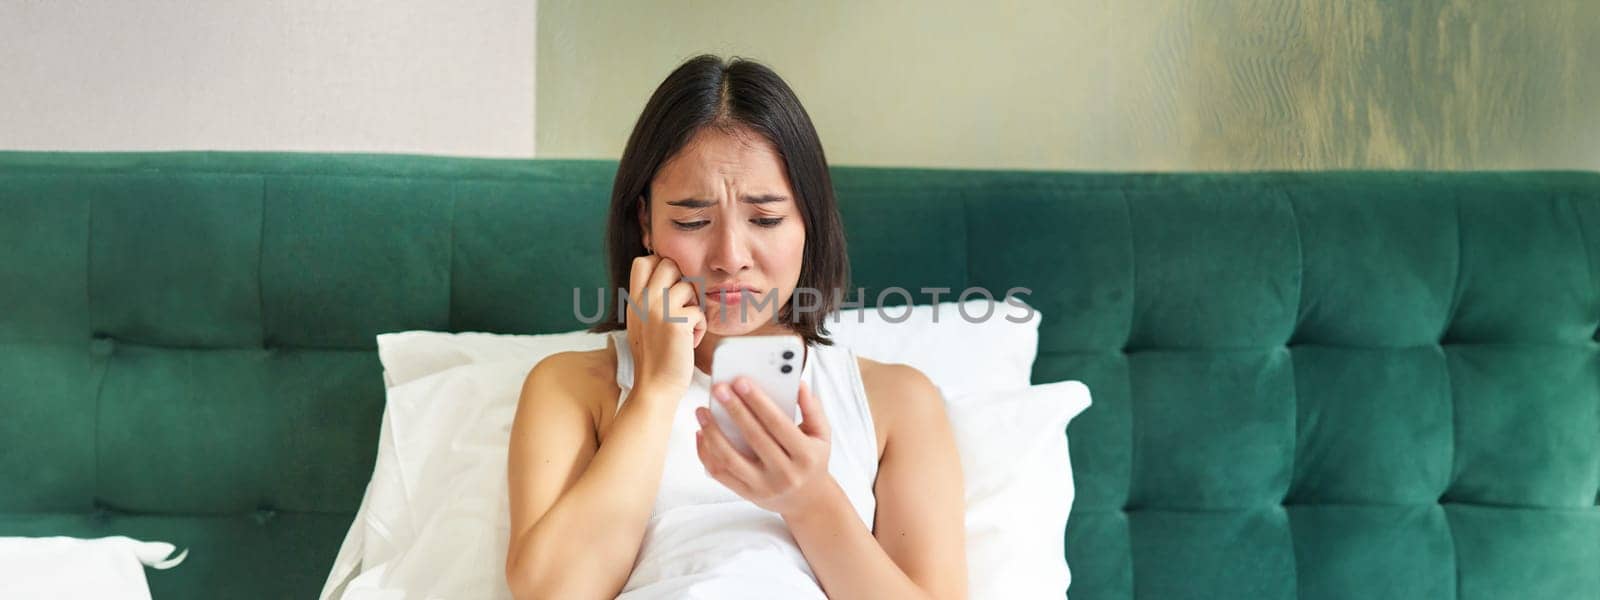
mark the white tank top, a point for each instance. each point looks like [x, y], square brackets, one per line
[703, 540]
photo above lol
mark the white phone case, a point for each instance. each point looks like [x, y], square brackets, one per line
[762, 359]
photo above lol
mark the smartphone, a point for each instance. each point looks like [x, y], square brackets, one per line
[772, 362]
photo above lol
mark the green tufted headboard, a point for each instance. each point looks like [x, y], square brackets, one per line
[1307, 385]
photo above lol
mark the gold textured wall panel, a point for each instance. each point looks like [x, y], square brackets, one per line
[1099, 85]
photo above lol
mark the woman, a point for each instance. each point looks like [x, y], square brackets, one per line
[723, 186]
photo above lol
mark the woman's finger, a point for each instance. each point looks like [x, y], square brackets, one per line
[722, 455]
[638, 278]
[714, 466]
[681, 306]
[661, 281]
[781, 426]
[699, 318]
[755, 434]
[814, 422]
[681, 294]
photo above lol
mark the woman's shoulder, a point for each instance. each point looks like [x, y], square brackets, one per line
[588, 377]
[889, 374]
[582, 367]
[899, 395]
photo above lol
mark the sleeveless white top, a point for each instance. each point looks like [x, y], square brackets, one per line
[706, 542]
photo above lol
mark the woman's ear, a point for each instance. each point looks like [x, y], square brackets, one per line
[644, 222]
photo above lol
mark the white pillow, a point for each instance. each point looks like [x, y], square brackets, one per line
[957, 355]
[411, 355]
[436, 521]
[68, 568]
[423, 431]
[1019, 488]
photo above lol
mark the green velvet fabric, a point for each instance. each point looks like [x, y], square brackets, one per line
[1307, 385]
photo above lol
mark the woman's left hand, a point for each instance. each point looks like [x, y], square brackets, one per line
[790, 468]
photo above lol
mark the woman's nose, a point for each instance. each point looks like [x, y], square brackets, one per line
[730, 253]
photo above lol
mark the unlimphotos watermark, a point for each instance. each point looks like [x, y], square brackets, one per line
[808, 300]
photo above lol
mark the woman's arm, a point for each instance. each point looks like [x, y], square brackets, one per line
[918, 546]
[569, 492]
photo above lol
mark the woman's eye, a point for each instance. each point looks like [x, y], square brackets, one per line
[690, 226]
[768, 222]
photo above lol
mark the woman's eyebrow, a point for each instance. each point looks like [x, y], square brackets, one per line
[698, 203]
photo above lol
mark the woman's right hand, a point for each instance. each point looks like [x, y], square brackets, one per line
[663, 350]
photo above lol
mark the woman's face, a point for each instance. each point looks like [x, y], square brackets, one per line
[722, 209]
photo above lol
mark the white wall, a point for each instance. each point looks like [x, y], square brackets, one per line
[407, 76]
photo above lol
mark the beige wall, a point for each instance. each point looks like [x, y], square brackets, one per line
[1113, 84]
[413, 76]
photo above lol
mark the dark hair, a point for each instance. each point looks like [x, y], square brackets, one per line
[706, 92]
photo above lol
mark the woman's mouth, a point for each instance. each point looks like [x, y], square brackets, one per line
[730, 295]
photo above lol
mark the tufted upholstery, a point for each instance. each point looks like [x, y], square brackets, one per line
[1307, 385]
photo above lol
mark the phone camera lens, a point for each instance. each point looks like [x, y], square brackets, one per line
[788, 354]
[786, 368]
